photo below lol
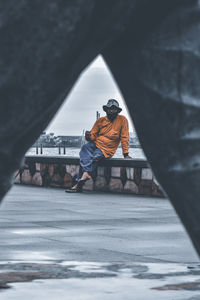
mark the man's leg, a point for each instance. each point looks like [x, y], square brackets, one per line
[89, 157]
[89, 170]
[80, 174]
[88, 166]
[86, 159]
[97, 156]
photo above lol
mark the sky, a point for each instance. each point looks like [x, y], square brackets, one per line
[91, 91]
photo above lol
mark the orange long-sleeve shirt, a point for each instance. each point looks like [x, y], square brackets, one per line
[107, 135]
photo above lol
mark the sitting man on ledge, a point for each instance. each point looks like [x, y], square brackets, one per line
[103, 141]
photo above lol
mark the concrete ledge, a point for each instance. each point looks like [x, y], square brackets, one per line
[117, 175]
[111, 162]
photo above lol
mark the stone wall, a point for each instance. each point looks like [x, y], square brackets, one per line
[113, 175]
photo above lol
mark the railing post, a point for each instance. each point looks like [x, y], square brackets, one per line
[64, 150]
[41, 149]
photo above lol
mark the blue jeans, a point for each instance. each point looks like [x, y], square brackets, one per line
[89, 156]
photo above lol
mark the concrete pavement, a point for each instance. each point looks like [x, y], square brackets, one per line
[119, 244]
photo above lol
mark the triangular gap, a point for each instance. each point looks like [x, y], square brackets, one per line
[91, 91]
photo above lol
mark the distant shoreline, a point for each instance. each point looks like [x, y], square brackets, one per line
[75, 147]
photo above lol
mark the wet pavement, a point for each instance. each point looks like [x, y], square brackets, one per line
[93, 246]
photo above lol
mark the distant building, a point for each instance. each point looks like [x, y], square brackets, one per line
[50, 140]
[71, 141]
[47, 140]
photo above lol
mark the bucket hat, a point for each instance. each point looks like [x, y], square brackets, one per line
[112, 102]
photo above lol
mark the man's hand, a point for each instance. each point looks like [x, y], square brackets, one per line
[87, 135]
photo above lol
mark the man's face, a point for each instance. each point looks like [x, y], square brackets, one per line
[111, 110]
[112, 113]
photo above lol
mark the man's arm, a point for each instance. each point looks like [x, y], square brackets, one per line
[92, 135]
[124, 137]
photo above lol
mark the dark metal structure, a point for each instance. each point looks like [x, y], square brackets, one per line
[153, 50]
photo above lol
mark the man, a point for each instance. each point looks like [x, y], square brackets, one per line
[103, 141]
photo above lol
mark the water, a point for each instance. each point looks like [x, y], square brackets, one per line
[135, 153]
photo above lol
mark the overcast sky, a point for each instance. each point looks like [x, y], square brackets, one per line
[92, 90]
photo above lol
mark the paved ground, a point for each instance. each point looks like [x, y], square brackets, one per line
[120, 245]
